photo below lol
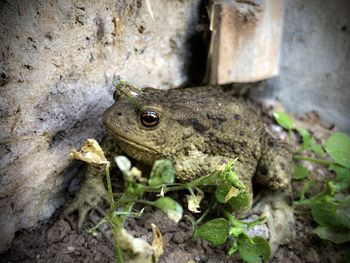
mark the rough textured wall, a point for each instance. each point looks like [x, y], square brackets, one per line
[315, 60]
[57, 62]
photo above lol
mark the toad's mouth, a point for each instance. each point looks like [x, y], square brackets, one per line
[132, 143]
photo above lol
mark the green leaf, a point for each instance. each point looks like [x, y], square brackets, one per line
[310, 143]
[233, 249]
[169, 206]
[325, 214]
[308, 184]
[253, 250]
[223, 175]
[217, 177]
[335, 215]
[283, 120]
[240, 201]
[221, 191]
[316, 147]
[236, 231]
[343, 212]
[229, 174]
[337, 237]
[163, 172]
[300, 172]
[134, 190]
[237, 202]
[306, 136]
[338, 147]
[214, 231]
[342, 180]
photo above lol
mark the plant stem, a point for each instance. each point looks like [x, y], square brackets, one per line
[109, 187]
[310, 159]
[118, 254]
[146, 202]
[117, 223]
[256, 222]
[167, 189]
[290, 134]
[210, 207]
[231, 219]
[203, 216]
[156, 189]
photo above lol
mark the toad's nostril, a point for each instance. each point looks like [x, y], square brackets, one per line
[119, 114]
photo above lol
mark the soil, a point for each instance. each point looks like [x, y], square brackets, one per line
[57, 240]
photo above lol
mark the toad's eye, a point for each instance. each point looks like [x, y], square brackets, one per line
[150, 119]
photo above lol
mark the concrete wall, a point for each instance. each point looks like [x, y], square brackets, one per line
[315, 61]
[57, 62]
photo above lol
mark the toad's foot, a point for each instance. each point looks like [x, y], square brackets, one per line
[91, 193]
[277, 208]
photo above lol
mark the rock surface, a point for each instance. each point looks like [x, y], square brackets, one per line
[58, 59]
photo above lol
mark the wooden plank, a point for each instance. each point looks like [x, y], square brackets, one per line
[245, 42]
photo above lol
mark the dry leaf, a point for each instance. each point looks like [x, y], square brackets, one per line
[157, 242]
[135, 249]
[232, 193]
[91, 152]
[194, 201]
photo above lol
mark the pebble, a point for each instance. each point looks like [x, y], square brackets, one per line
[312, 256]
[58, 231]
[178, 238]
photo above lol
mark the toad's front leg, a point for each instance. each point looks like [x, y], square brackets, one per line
[92, 190]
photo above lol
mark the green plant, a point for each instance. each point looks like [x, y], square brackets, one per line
[330, 209]
[219, 230]
[228, 191]
[251, 249]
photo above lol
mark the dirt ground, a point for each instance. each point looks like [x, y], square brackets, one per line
[58, 241]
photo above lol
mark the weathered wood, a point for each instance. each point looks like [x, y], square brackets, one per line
[245, 42]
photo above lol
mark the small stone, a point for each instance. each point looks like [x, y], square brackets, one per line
[167, 237]
[179, 238]
[58, 231]
[64, 258]
[312, 256]
[71, 249]
[98, 257]
[80, 241]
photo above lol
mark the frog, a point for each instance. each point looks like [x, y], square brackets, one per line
[198, 129]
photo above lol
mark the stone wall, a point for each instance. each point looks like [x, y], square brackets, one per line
[58, 59]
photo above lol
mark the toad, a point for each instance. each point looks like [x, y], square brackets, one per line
[199, 129]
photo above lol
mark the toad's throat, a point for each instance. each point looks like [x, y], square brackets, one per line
[132, 144]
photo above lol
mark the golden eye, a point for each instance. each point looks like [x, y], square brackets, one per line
[150, 119]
